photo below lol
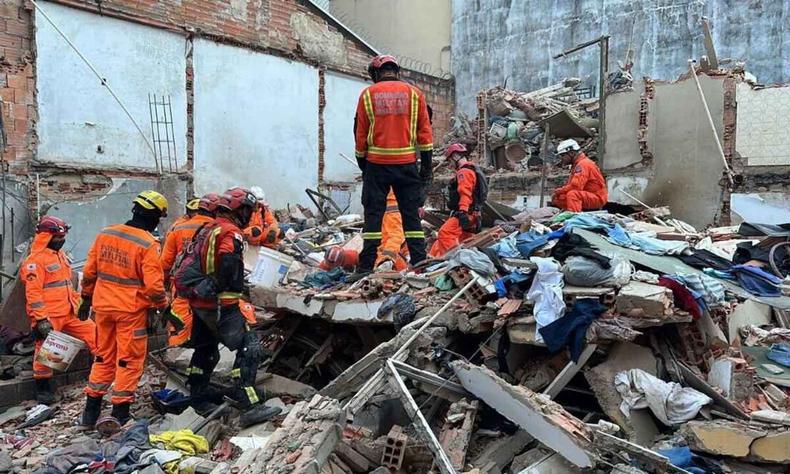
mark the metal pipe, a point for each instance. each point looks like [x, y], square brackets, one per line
[578, 47]
[103, 82]
[710, 121]
[603, 71]
[544, 151]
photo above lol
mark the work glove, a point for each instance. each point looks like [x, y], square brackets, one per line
[156, 319]
[463, 219]
[84, 311]
[362, 163]
[42, 329]
[168, 316]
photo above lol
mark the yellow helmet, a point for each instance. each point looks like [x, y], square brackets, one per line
[152, 200]
[193, 204]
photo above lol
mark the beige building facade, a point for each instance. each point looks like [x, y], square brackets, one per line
[415, 31]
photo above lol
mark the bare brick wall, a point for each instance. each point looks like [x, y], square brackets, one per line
[17, 84]
[287, 28]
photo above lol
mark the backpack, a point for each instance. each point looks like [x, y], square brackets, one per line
[188, 276]
[479, 195]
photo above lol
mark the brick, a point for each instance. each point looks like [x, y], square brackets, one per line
[18, 28]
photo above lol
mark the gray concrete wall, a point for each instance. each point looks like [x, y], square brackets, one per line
[495, 40]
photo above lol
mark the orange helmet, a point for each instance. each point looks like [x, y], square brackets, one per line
[236, 198]
[209, 202]
[379, 61]
[334, 255]
[53, 225]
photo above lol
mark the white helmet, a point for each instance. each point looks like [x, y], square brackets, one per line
[259, 194]
[564, 146]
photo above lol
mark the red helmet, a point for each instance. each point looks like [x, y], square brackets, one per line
[455, 148]
[53, 225]
[379, 61]
[334, 255]
[236, 198]
[209, 202]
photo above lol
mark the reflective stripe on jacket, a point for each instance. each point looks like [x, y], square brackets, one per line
[392, 123]
[123, 272]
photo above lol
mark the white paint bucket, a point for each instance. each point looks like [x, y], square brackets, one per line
[271, 268]
[59, 350]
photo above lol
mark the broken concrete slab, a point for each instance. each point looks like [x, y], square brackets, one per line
[732, 377]
[720, 437]
[501, 451]
[773, 447]
[643, 300]
[747, 313]
[542, 418]
[639, 427]
[552, 463]
[305, 440]
[276, 386]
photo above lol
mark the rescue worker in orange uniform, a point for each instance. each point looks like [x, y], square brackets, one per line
[189, 211]
[220, 319]
[337, 256]
[391, 126]
[586, 187]
[179, 324]
[122, 282]
[392, 253]
[464, 219]
[263, 228]
[50, 299]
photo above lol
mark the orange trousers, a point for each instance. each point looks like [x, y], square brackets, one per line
[82, 330]
[181, 308]
[578, 201]
[122, 340]
[450, 236]
[392, 240]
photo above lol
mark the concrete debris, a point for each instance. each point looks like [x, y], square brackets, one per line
[643, 300]
[545, 420]
[305, 440]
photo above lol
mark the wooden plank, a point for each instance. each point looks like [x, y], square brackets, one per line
[570, 370]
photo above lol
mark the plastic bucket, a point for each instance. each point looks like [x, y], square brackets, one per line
[59, 350]
[271, 268]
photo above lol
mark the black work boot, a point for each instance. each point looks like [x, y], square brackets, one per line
[44, 392]
[121, 412]
[257, 414]
[92, 411]
[204, 399]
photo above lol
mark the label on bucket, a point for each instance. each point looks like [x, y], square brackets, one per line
[58, 351]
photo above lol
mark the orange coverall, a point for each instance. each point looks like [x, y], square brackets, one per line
[49, 294]
[451, 233]
[179, 235]
[263, 228]
[585, 190]
[392, 238]
[123, 276]
[350, 260]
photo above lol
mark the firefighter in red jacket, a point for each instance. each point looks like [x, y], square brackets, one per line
[220, 319]
[586, 187]
[465, 216]
[391, 126]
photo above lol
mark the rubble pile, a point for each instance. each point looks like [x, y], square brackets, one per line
[588, 341]
[517, 122]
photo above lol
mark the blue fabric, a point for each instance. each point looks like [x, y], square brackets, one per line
[528, 242]
[682, 457]
[780, 353]
[505, 282]
[757, 281]
[571, 329]
[506, 247]
[724, 275]
[586, 220]
[707, 289]
[321, 278]
[619, 236]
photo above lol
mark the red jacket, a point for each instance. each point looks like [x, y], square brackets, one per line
[392, 124]
[585, 176]
[225, 238]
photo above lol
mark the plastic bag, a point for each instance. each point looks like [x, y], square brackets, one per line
[581, 271]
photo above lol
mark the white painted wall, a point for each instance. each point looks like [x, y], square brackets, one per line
[341, 94]
[256, 123]
[77, 115]
[761, 129]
